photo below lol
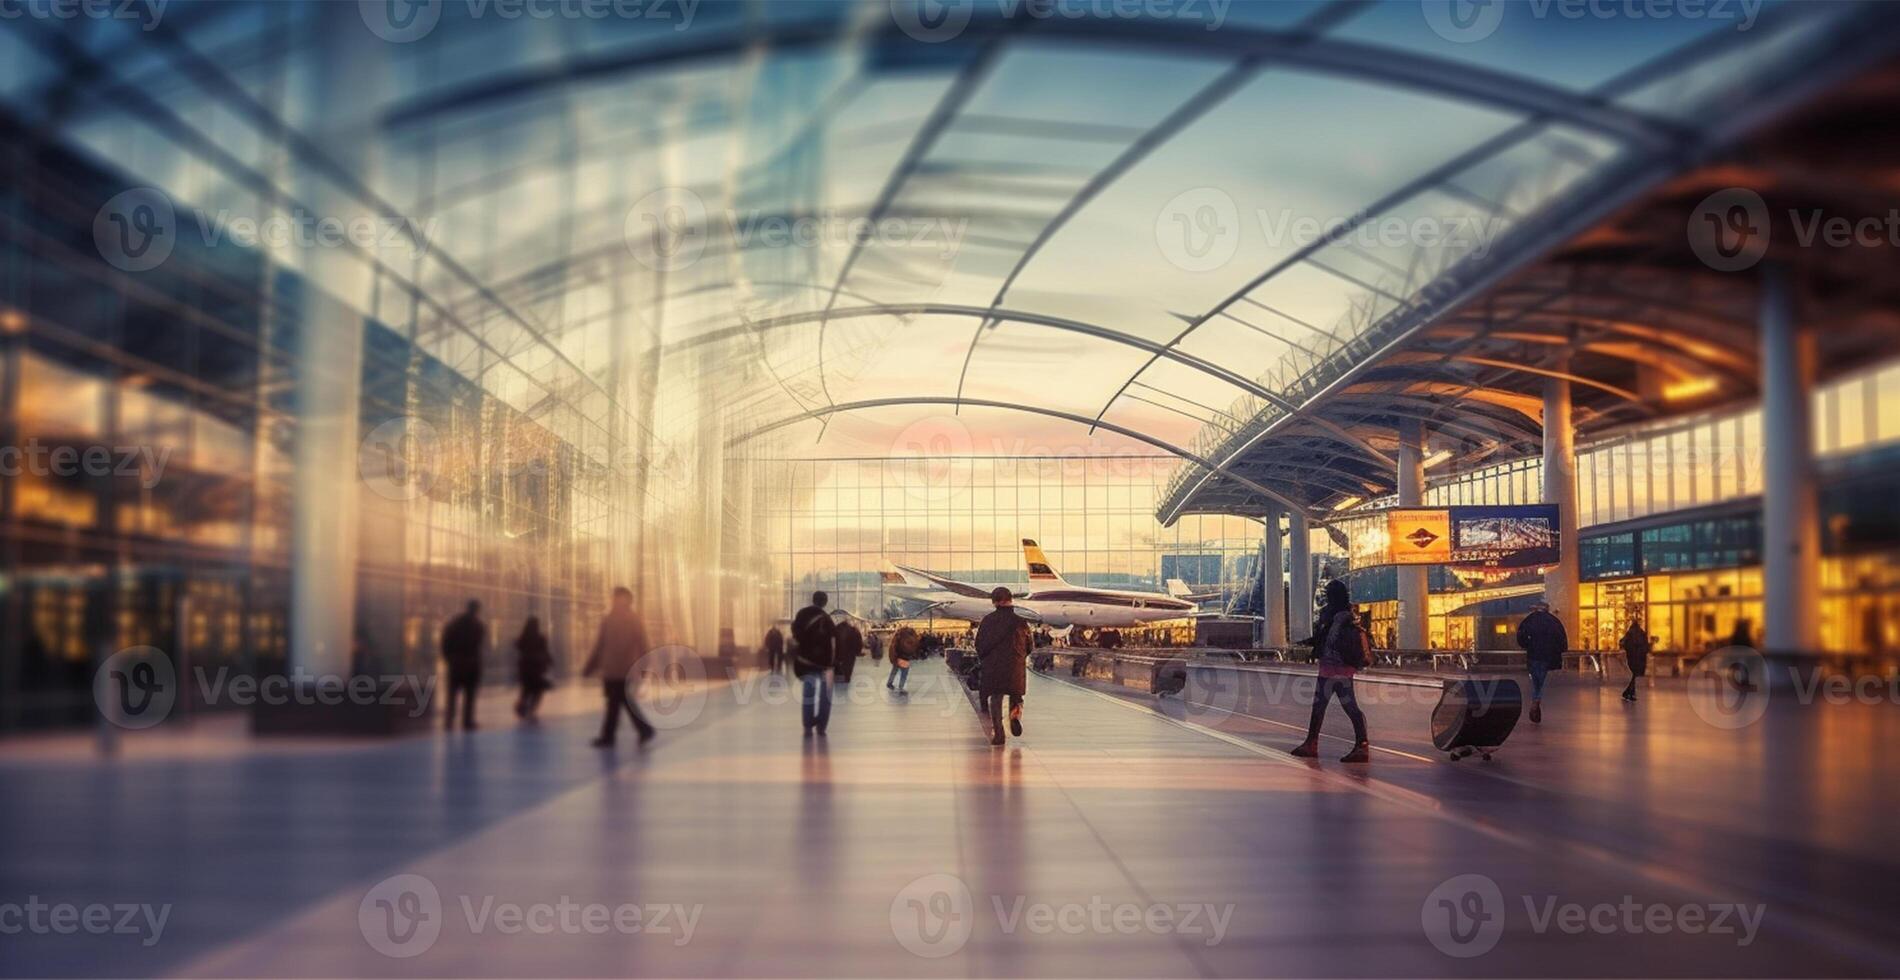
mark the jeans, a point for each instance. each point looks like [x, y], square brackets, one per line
[1329, 688]
[815, 704]
[1538, 673]
[617, 701]
[899, 676]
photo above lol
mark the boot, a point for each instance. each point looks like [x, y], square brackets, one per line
[1537, 712]
[1016, 721]
[1361, 752]
[1308, 749]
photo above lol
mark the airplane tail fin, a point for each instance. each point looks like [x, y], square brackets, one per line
[1180, 590]
[1039, 568]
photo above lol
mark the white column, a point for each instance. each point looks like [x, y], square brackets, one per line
[1414, 586]
[1299, 622]
[1562, 587]
[1273, 604]
[1791, 548]
[346, 78]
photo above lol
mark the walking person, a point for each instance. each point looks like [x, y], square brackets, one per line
[1342, 646]
[774, 649]
[903, 650]
[621, 643]
[847, 645]
[533, 661]
[1003, 643]
[1636, 645]
[812, 656]
[1544, 641]
[462, 642]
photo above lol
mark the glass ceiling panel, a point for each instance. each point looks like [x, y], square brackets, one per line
[1571, 45]
[1041, 366]
[1250, 182]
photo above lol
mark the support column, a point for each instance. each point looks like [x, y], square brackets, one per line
[1414, 586]
[1299, 621]
[1273, 579]
[1562, 584]
[1791, 547]
[347, 72]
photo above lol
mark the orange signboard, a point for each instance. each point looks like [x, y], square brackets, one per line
[1419, 537]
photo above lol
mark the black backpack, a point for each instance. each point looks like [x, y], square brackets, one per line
[1350, 641]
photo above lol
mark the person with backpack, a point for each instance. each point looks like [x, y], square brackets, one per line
[1342, 648]
[533, 661]
[1544, 641]
[812, 656]
[903, 649]
[1636, 652]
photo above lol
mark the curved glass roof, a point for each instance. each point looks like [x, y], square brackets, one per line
[1062, 228]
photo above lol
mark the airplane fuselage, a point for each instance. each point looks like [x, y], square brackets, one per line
[1103, 608]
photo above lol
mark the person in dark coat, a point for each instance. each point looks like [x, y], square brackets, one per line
[812, 656]
[774, 649]
[903, 651]
[1636, 652]
[1335, 678]
[847, 645]
[1544, 641]
[462, 642]
[1003, 643]
[533, 661]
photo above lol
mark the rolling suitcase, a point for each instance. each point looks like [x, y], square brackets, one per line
[1476, 714]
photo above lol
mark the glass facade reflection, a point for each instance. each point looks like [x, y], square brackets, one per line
[833, 523]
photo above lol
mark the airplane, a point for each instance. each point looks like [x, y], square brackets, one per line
[1061, 604]
[945, 597]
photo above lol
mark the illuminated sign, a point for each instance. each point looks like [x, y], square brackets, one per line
[1500, 537]
[1418, 537]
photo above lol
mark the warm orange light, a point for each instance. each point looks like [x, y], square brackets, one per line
[12, 321]
[1348, 502]
[1684, 390]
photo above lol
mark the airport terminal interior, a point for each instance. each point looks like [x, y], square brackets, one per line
[1056, 488]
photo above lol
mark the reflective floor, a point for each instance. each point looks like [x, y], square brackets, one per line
[1115, 839]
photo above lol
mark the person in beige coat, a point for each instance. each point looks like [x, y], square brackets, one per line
[621, 644]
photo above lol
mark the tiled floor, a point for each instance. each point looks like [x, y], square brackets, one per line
[1117, 838]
